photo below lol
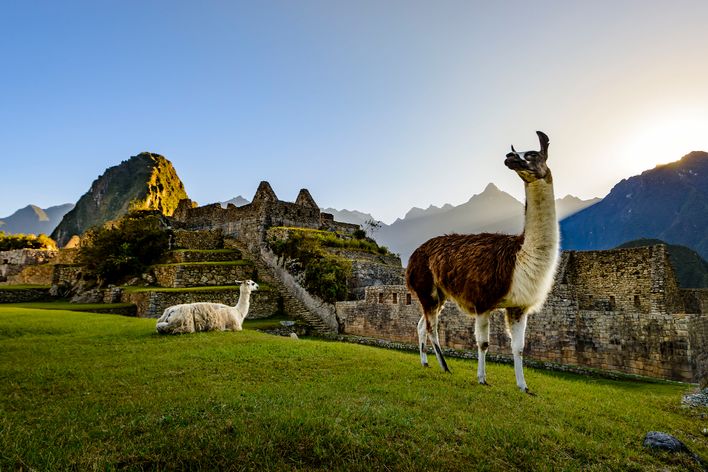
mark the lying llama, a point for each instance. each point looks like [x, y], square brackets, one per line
[483, 272]
[205, 316]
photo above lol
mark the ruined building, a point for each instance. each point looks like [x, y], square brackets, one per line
[250, 222]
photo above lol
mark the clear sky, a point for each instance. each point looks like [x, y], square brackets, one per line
[372, 105]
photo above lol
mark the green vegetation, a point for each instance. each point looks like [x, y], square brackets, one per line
[324, 274]
[102, 392]
[25, 241]
[125, 249]
[330, 239]
[65, 305]
[690, 268]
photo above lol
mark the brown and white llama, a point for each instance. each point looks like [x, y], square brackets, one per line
[483, 272]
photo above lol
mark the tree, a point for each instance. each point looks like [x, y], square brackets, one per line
[125, 248]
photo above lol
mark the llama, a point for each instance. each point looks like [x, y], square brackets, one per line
[205, 316]
[483, 272]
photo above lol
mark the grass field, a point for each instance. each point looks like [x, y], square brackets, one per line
[86, 392]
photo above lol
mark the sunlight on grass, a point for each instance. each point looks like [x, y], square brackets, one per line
[90, 391]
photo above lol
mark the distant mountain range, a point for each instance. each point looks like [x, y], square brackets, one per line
[669, 202]
[144, 182]
[492, 211]
[34, 220]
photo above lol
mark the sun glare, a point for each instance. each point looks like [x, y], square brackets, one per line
[665, 139]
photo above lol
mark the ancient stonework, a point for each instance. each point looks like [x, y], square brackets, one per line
[249, 223]
[618, 310]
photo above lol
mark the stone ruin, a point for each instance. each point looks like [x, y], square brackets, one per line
[250, 222]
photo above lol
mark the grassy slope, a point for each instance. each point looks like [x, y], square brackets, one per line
[92, 391]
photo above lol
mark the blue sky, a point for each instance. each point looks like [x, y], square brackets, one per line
[376, 106]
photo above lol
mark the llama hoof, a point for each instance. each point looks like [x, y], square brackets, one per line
[529, 392]
[425, 364]
[448, 371]
[484, 383]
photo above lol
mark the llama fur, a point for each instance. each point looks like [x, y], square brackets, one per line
[206, 316]
[486, 272]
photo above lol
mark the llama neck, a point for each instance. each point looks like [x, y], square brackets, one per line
[541, 233]
[244, 301]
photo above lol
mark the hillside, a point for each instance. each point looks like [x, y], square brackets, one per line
[669, 202]
[34, 220]
[143, 182]
[690, 268]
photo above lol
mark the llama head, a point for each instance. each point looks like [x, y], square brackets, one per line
[530, 165]
[247, 285]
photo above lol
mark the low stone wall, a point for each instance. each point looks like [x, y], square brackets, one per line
[197, 275]
[33, 275]
[24, 295]
[198, 239]
[151, 304]
[668, 346]
[698, 340]
[214, 255]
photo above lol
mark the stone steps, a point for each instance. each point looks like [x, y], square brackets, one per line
[293, 306]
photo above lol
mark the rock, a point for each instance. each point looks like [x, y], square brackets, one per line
[668, 443]
[287, 323]
[663, 441]
[293, 336]
[89, 296]
[699, 399]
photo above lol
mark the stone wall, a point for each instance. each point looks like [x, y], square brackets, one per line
[199, 274]
[219, 255]
[198, 239]
[614, 310]
[151, 304]
[16, 295]
[65, 274]
[13, 262]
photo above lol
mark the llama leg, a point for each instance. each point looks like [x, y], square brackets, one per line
[516, 322]
[481, 332]
[422, 337]
[436, 341]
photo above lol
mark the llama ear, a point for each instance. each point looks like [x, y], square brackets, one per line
[238, 282]
[543, 139]
[512, 149]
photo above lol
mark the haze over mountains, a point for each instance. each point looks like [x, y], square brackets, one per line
[34, 220]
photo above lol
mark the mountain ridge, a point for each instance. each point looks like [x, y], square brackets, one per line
[668, 202]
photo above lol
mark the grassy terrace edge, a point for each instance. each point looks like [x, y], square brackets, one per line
[85, 392]
[262, 287]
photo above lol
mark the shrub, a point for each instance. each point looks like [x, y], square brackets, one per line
[323, 274]
[25, 241]
[123, 249]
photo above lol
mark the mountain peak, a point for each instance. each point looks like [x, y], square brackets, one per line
[146, 181]
[491, 188]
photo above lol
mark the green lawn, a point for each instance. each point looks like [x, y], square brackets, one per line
[85, 391]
